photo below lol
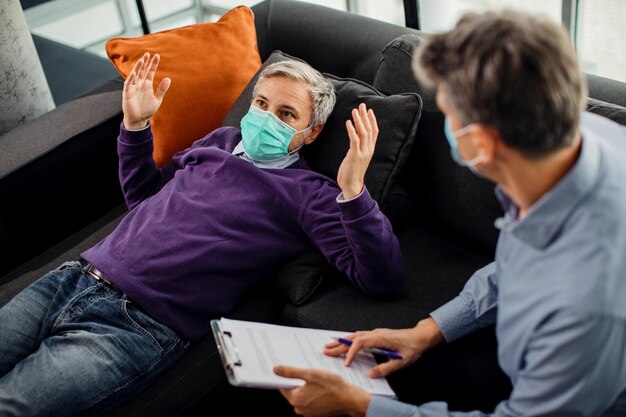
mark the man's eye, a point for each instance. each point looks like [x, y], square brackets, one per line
[261, 103]
[287, 114]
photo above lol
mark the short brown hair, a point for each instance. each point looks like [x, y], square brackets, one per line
[510, 70]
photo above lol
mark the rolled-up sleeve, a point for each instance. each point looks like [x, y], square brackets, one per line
[474, 308]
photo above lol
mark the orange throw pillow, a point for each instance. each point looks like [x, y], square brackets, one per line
[209, 63]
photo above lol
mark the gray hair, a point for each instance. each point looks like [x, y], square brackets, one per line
[516, 72]
[322, 91]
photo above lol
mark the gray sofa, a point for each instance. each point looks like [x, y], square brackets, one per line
[60, 195]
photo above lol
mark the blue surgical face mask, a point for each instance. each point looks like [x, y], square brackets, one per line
[264, 136]
[452, 138]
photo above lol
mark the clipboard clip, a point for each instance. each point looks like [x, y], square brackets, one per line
[229, 349]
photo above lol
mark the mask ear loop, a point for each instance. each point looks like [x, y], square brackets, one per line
[474, 161]
[460, 133]
[301, 146]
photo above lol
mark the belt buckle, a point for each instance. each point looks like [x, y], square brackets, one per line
[90, 269]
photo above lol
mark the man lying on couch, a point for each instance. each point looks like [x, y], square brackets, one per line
[219, 217]
[512, 92]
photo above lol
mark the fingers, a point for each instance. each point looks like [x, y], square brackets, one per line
[359, 125]
[163, 87]
[354, 349]
[292, 372]
[132, 76]
[363, 340]
[335, 349]
[151, 70]
[138, 66]
[135, 74]
[374, 124]
[354, 137]
[365, 128]
[288, 372]
[385, 368]
[363, 114]
[144, 69]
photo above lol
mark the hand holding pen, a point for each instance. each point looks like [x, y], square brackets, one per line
[408, 344]
[391, 354]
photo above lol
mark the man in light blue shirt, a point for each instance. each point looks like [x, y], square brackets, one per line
[510, 87]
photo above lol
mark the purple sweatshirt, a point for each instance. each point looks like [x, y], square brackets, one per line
[210, 224]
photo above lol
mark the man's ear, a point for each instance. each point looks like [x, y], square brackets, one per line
[485, 140]
[315, 131]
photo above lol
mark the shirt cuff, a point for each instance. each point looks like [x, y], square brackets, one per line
[383, 407]
[341, 199]
[456, 318]
[137, 130]
[356, 207]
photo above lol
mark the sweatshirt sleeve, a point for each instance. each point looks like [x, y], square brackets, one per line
[139, 175]
[355, 237]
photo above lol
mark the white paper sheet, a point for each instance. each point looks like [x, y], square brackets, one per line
[258, 347]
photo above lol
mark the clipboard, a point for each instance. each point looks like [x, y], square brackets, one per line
[249, 351]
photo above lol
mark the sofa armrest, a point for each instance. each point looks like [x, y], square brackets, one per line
[58, 173]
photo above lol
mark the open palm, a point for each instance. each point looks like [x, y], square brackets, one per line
[139, 100]
[363, 134]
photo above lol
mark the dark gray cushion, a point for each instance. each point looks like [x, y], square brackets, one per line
[461, 204]
[298, 279]
[608, 110]
[398, 116]
[607, 90]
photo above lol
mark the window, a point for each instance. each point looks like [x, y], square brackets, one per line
[601, 36]
[597, 25]
[437, 16]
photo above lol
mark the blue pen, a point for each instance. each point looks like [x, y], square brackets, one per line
[386, 352]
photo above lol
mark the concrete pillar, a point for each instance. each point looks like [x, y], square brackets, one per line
[24, 91]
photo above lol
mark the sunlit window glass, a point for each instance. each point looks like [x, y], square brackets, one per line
[601, 37]
[440, 15]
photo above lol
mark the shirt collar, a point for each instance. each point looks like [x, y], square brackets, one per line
[279, 163]
[539, 227]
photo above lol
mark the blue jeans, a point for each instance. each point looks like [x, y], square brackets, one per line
[70, 344]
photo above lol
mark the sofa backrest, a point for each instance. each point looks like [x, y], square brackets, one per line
[459, 203]
[447, 197]
[340, 43]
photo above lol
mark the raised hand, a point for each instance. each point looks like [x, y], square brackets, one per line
[363, 134]
[139, 100]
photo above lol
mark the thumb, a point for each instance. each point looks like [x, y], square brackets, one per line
[287, 371]
[164, 85]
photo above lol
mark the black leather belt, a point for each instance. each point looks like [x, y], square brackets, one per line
[88, 268]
